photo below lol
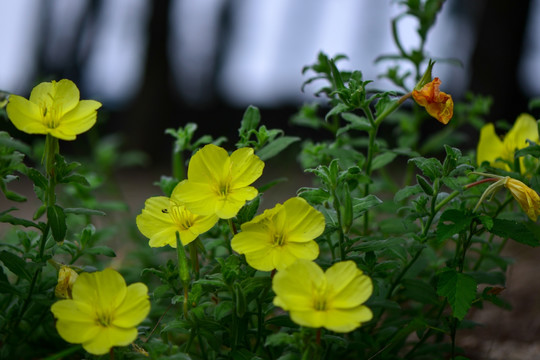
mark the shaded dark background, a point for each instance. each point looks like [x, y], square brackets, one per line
[185, 49]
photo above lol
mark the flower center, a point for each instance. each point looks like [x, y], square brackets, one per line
[104, 318]
[181, 216]
[50, 115]
[279, 239]
[319, 296]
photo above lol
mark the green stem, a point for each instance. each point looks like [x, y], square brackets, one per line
[178, 165]
[194, 259]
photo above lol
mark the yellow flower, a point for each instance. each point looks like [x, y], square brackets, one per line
[280, 236]
[66, 279]
[332, 299]
[527, 198]
[103, 313]
[497, 152]
[218, 183]
[162, 217]
[53, 108]
[437, 103]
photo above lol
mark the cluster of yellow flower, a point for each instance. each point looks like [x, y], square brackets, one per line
[282, 238]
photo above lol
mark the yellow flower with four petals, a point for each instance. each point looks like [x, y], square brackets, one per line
[162, 217]
[333, 299]
[103, 312]
[279, 236]
[53, 108]
[218, 183]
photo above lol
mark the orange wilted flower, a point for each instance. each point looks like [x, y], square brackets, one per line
[437, 103]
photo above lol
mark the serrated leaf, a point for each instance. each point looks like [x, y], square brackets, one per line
[451, 222]
[314, 195]
[406, 192]
[432, 168]
[360, 205]
[459, 289]
[275, 147]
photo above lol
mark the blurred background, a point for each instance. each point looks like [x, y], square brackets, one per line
[161, 64]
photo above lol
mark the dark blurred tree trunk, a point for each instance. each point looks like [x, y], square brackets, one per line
[496, 57]
[151, 111]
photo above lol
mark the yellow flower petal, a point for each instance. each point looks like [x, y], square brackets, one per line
[81, 118]
[75, 323]
[346, 320]
[63, 96]
[294, 285]
[106, 288]
[25, 115]
[490, 147]
[199, 197]
[262, 260]
[135, 308]
[109, 337]
[525, 128]
[246, 167]
[528, 199]
[304, 222]
[210, 164]
[227, 207]
[152, 218]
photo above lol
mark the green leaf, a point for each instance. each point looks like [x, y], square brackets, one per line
[248, 211]
[57, 222]
[16, 265]
[5, 217]
[451, 222]
[37, 178]
[314, 196]
[514, 230]
[459, 289]
[250, 120]
[167, 184]
[74, 179]
[275, 147]
[338, 109]
[361, 205]
[406, 192]
[355, 122]
[279, 339]
[383, 159]
[533, 149]
[83, 211]
[432, 168]
[100, 250]
[420, 291]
